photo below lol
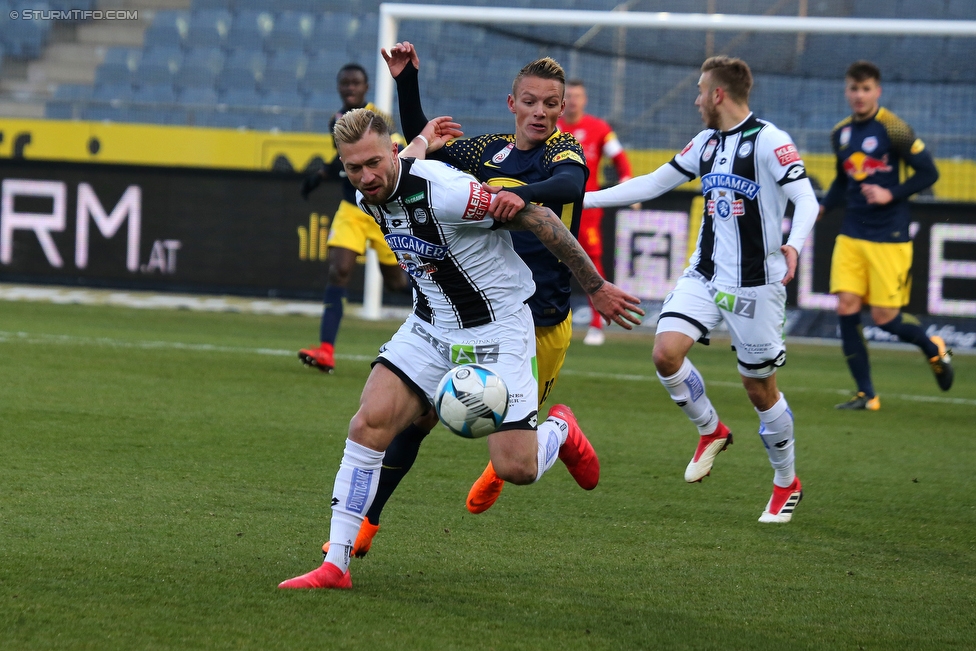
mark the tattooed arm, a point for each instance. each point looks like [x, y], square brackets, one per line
[610, 301]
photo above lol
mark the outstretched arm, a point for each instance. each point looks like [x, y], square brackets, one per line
[404, 64]
[610, 301]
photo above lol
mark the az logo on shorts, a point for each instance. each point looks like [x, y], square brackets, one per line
[735, 304]
[471, 354]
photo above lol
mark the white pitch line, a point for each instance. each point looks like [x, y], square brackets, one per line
[28, 338]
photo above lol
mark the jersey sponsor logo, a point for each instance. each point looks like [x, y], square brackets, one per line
[567, 155]
[738, 184]
[500, 157]
[687, 148]
[414, 198]
[724, 207]
[796, 173]
[401, 243]
[744, 149]
[918, 146]
[787, 154]
[869, 144]
[735, 304]
[709, 150]
[479, 200]
[420, 215]
[845, 137]
[438, 345]
[860, 166]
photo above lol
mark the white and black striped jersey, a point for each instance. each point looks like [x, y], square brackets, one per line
[464, 272]
[743, 173]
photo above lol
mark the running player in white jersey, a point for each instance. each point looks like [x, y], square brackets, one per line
[739, 271]
[470, 293]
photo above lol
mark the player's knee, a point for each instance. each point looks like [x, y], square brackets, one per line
[339, 274]
[666, 361]
[517, 471]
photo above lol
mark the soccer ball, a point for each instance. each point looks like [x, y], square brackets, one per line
[471, 401]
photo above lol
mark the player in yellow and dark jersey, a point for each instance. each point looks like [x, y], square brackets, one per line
[351, 229]
[537, 163]
[872, 256]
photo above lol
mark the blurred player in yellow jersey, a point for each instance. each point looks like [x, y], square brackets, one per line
[351, 230]
[872, 258]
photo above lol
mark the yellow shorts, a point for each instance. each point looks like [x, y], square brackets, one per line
[879, 272]
[551, 344]
[352, 228]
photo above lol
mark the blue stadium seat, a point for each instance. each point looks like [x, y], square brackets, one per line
[119, 65]
[363, 42]
[960, 10]
[168, 29]
[957, 61]
[200, 68]
[198, 96]
[320, 73]
[241, 98]
[284, 99]
[154, 94]
[308, 6]
[208, 28]
[324, 100]
[212, 5]
[60, 110]
[250, 29]
[159, 65]
[225, 119]
[108, 92]
[285, 71]
[335, 27]
[242, 69]
[102, 113]
[292, 30]
[73, 92]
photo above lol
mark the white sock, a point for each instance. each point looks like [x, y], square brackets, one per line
[687, 389]
[551, 434]
[776, 432]
[352, 494]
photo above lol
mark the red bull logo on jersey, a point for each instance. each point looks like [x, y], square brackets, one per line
[860, 166]
[733, 182]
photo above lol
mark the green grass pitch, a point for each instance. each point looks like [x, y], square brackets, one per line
[162, 471]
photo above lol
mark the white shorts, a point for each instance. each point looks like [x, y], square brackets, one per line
[420, 354]
[755, 317]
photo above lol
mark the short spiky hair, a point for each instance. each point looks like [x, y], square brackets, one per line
[356, 123]
[353, 67]
[731, 74]
[862, 71]
[544, 68]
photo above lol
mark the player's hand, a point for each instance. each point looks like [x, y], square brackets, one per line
[399, 56]
[875, 194]
[311, 181]
[505, 205]
[791, 259]
[820, 213]
[440, 131]
[617, 306]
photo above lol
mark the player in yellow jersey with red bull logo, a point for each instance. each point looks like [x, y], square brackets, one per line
[872, 257]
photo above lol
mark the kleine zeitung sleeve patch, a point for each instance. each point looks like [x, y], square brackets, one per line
[479, 200]
[787, 154]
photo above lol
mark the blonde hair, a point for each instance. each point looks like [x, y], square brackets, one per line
[355, 124]
[731, 74]
[544, 68]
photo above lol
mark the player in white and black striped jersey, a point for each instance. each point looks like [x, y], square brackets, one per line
[470, 289]
[738, 274]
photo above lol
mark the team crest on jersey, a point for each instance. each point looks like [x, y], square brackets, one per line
[745, 149]
[414, 266]
[725, 207]
[709, 150]
[869, 144]
[503, 154]
[420, 216]
[845, 137]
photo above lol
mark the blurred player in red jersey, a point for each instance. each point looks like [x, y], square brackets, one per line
[598, 140]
